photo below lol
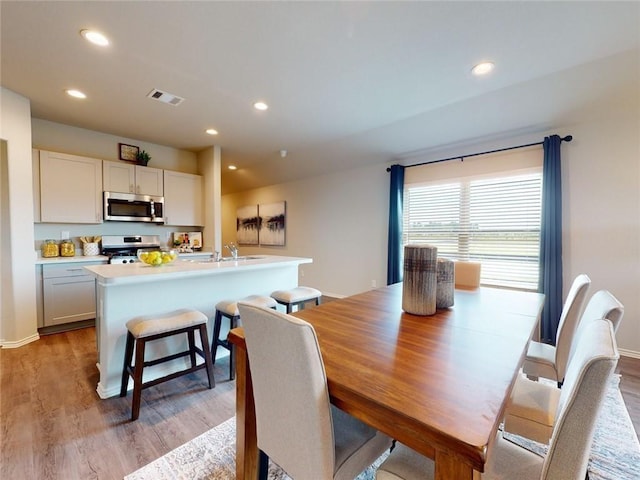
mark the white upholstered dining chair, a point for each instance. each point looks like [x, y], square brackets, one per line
[297, 427]
[603, 304]
[580, 399]
[531, 410]
[548, 361]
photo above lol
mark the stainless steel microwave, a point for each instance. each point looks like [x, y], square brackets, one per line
[130, 207]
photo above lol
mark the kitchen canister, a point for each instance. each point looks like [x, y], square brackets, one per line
[445, 283]
[67, 248]
[420, 278]
[50, 248]
[90, 249]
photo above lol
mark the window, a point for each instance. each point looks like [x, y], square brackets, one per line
[494, 220]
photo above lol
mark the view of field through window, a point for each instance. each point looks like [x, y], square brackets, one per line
[495, 221]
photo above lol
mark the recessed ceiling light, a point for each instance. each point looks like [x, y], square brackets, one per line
[75, 94]
[482, 68]
[232, 167]
[260, 106]
[211, 131]
[94, 37]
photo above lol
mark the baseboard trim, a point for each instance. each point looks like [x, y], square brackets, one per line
[20, 343]
[332, 296]
[629, 353]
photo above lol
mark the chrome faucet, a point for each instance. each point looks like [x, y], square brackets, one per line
[233, 249]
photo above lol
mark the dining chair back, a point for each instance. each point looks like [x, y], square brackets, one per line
[603, 304]
[548, 361]
[586, 382]
[297, 427]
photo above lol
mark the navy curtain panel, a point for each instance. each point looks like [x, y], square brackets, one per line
[394, 245]
[550, 282]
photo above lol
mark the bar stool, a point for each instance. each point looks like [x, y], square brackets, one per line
[229, 309]
[143, 329]
[296, 297]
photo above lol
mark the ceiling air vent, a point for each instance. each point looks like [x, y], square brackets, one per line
[165, 97]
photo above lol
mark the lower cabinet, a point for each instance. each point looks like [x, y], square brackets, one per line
[68, 294]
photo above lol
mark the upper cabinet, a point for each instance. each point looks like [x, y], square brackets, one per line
[128, 178]
[183, 199]
[70, 188]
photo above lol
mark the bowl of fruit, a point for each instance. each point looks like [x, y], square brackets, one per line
[157, 258]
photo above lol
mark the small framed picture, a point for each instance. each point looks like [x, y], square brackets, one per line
[128, 152]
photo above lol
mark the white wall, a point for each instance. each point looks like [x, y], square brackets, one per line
[340, 220]
[18, 324]
[57, 137]
[601, 182]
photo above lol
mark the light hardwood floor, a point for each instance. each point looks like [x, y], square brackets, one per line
[54, 426]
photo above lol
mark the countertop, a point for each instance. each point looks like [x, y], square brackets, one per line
[77, 259]
[139, 272]
[40, 260]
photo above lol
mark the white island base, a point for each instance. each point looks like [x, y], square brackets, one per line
[126, 291]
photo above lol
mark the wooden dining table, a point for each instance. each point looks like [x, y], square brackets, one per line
[439, 383]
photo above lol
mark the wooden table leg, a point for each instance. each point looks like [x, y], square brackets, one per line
[246, 441]
[449, 467]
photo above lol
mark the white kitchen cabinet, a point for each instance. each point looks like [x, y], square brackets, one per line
[68, 293]
[70, 188]
[183, 199]
[128, 178]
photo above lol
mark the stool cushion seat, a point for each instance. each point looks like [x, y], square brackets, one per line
[230, 307]
[297, 294]
[147, 325]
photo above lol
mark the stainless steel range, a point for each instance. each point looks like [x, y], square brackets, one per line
[124, 248]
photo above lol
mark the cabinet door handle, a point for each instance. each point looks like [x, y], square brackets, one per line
[74, 269]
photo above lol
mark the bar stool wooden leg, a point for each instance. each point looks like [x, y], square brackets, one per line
[126, 369]
[192, 348]
[206, 353]
[233, 323]
[137, 378]
[217, 326]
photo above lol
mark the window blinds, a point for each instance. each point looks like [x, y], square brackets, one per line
[494, 220]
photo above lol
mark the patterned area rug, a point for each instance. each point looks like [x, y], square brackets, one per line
[615, 454]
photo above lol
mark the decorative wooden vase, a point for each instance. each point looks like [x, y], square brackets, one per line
[445, 283]
[419, 282]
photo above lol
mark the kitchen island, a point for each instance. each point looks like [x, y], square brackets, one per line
[124, 291]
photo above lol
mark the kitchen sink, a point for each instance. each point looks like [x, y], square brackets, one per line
[242, 257]
[231, 259]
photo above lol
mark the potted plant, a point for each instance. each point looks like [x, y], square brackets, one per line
[142, 158]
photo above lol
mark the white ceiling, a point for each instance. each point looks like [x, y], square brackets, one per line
[348, 83]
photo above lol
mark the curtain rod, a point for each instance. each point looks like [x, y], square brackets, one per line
[568, 138]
